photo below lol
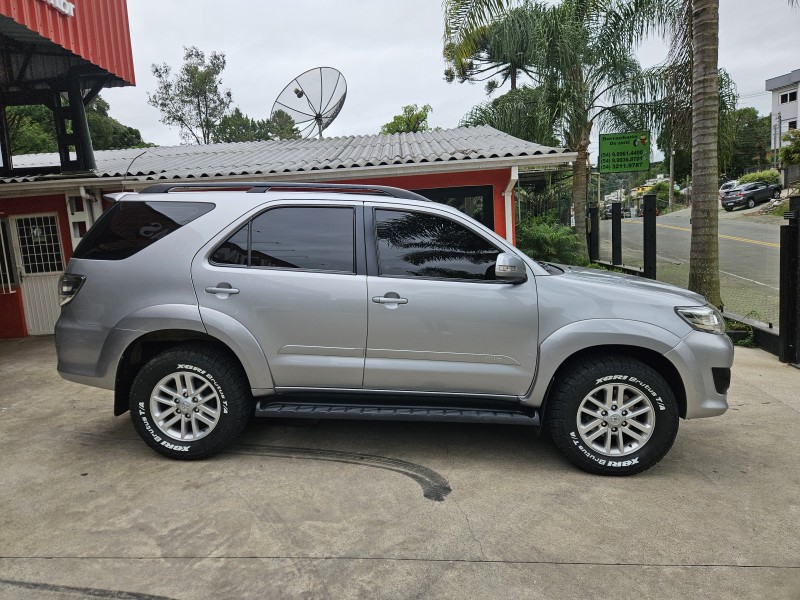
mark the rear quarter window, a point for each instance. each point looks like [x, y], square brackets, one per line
[131, 226]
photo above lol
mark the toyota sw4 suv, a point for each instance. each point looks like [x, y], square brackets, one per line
[201, 305]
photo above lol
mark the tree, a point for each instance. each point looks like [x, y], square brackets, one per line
[282, 126]
[790, 153]
[192, 99]
[578, 57]
[238, 127]
[32, 129]
[412, 120]
[522, 112]
[501, 51]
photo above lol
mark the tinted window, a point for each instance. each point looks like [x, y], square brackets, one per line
[421, 245]
[233, 251]
[128, 227]
[304, 238]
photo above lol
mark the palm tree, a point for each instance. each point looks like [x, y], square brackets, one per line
[582, 66]
[693, 28]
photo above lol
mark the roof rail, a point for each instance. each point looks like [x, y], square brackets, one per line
[261, 186]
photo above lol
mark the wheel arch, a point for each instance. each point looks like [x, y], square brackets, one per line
[145, 347]
[658, 362]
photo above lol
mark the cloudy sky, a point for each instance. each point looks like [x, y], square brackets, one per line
[389, 52]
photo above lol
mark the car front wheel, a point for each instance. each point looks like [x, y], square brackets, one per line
[613, 415]
[751, 203]
[776, 194]
[190, 402]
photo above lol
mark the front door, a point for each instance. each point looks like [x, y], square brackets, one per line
[438, 319]
[40, 263]
[296, 287]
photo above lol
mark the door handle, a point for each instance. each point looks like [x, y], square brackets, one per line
[221, 290]
[389, 300]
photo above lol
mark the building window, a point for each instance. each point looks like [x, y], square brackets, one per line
[792, 124]
[788, 97]
[475, 201]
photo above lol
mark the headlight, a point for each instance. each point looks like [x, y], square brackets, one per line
[702, 318]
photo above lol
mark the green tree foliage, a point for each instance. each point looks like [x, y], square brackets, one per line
[522, 112]
[501, 51]
[413, 119]
[32, 129]
[542, 238]
[107, 133]
[192, 98]
[282, 126]
[790, 154]
[238, 127]
[751, 143]
[770, 176]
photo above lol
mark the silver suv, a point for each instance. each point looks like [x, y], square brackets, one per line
[201, 305]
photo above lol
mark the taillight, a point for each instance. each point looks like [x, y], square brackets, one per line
[68, 286]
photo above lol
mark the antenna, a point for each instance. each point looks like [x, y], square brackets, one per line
[124, 177]
[313, 99]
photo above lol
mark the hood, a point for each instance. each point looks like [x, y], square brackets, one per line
[656, 292]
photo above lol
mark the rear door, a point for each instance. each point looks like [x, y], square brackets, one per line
[438, 320]
[298, 284]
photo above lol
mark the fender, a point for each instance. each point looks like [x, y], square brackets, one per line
[582, 335]
[184, 316]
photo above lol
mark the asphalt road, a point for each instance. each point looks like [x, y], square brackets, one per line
[749, 251]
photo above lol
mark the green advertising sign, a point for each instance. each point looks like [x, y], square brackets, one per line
[623, 152]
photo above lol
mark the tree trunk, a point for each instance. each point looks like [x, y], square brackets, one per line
[513, 78]
[704, 252]
[579, 190]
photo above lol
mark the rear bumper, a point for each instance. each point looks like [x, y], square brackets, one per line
[702, 360]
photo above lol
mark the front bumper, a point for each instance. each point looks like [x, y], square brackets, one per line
[702, 359]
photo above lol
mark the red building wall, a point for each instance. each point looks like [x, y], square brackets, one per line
[98, 31]
[12, 316]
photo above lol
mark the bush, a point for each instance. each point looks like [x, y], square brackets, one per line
[768, 176]
[545, 240]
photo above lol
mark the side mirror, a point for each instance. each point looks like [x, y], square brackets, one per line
[510, 268]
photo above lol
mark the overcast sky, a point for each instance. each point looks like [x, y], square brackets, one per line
[389, 52]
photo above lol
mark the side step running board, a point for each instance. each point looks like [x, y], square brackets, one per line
[293, 410]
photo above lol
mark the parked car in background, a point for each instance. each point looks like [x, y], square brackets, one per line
[750, 194]
[727, 187]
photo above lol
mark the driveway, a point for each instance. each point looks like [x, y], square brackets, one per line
[390, 510]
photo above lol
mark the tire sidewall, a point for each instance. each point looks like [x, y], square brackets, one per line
[660, 395]
[224, 384]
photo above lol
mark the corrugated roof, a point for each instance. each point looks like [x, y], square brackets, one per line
[461, 144]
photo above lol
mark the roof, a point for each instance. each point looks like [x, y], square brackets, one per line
[369, 155]
[783, 81]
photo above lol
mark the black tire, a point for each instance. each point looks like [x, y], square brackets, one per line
[776, 194]
[728, 208]
[751, 203]
[219, 394]
[583, 378]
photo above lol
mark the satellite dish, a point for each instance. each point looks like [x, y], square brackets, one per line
[313, 99]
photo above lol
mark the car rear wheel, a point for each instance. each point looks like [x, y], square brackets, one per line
[613, 415]
[190, 402]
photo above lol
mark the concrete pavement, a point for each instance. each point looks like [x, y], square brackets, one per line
[390, 510]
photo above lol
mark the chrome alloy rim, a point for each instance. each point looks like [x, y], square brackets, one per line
[185, 406]
[616, 419]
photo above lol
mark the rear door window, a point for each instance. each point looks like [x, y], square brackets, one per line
[294, 237]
